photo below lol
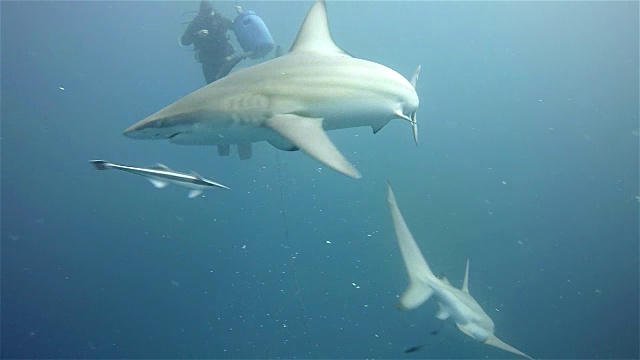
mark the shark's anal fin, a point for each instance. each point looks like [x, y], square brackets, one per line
[377, 127]
[244, 151]
[494, 341]
[308, 135]
[158, 183]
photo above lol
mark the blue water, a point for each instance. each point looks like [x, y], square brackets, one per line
[527, 164]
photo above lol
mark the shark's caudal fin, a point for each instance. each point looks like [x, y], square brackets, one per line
[101, 164]
[494, 341]
[414, 116]
[417, 268]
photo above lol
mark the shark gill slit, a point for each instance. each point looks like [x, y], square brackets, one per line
[291, 256]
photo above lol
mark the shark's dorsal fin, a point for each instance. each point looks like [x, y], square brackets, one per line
[314, 35]
[465, 282]
[196, 175]
[160, 166]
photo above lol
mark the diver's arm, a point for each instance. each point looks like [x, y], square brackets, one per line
[189, 35]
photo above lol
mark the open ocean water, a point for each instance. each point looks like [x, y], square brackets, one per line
[528, 164]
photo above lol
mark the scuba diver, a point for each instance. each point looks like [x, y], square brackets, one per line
[208, 34]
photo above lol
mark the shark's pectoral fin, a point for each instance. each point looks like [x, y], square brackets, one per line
[308, 135]
[244, 151]
[416, 294]
[194, 193]
[442, 314]
[494, 341]
[224, 150]
[158, 183]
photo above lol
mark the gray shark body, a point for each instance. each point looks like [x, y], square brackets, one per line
[456, 304]
[160, 176]
[290, 101]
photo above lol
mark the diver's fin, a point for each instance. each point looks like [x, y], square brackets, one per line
[244, 151]
[224, 149]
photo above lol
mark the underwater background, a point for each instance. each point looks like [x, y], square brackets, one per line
[527, 165]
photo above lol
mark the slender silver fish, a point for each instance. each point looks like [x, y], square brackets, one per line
[161, 176]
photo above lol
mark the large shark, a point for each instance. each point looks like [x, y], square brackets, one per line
[454, 303]
[290, 101]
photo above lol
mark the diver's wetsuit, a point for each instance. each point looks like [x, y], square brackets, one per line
[214, 50]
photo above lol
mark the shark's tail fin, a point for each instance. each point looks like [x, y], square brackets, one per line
[420, 275]
[100, 164]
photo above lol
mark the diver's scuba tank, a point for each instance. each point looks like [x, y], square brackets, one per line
[252, 33]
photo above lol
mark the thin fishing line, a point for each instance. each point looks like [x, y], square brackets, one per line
[291, 255]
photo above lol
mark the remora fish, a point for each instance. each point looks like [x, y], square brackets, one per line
[161, 176]
[290, 101]
[455, 303]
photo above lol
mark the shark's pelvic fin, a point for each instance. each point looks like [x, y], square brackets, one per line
[158, 183]
[308, 135]
[417, 268]
[494, 341]
[465, 282]
[314, 33]
[415, 295]
[442, 314]
[194, 193]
